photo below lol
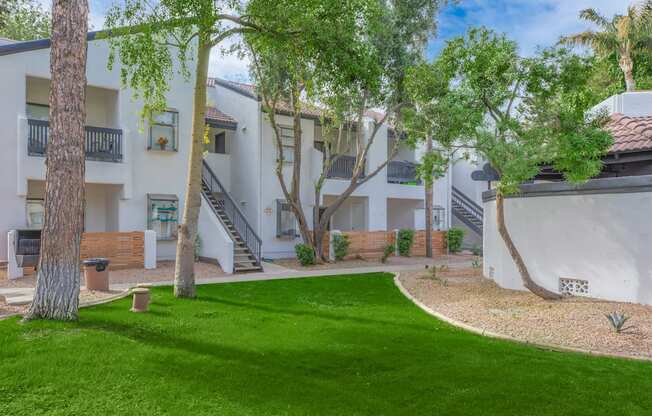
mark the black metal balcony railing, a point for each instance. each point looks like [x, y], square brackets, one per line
[342, 168]
[102, 144]
[402, 173]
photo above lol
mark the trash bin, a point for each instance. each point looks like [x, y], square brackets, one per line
[96, 273]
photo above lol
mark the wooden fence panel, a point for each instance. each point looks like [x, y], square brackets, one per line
[124, 250]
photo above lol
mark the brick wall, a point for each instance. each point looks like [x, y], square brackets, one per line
[370, 244]
[124, 250]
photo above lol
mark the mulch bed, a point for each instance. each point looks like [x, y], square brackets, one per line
[575, 322]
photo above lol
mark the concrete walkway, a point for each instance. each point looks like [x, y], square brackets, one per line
[22, 296]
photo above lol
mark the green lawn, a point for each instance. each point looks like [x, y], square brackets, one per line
[341, 346]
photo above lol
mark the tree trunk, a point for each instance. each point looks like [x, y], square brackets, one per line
[184, 273]
[428, 189]
[57, 283]
[530, 284]
[627, 66]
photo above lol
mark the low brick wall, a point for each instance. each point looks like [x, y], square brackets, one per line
[124, 250]
[370, 244]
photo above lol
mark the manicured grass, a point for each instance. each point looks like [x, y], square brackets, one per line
[344, 345]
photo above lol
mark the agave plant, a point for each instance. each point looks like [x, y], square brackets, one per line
[617, 321]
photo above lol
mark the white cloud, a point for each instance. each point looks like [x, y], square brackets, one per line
[228, 65]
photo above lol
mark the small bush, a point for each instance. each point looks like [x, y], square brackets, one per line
[305, 254]
[197, 247]
[387, 251]
[476, 262]
[405, 240]
[617, 321]
[454, 237]
[341, 245]
[476, 250]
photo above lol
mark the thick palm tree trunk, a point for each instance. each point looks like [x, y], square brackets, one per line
[530, 284]
[627, 66]
[184, 273]
[428, 196]
[57, 283]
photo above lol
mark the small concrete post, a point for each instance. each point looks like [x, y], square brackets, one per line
[150, 249]
[331, 246]
[396, 252]
[13, 271]
[141, 299]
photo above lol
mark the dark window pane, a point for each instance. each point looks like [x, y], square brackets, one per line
[220, 143]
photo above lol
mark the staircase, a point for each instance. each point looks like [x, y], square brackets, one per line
[246, 243]
[467, 211]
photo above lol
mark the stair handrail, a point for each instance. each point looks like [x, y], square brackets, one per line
[468, 203]
[238, 219]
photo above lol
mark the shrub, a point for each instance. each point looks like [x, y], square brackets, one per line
[476, 250]
[197, 247]
[341, 245]
[617, 321]
[387, 251]
[305, 254]
[405, 239]
[454, 237]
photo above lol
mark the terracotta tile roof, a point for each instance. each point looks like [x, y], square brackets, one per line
[631, 134]
[216, 116]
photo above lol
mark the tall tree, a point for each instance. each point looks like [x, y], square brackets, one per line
[436, 113]
[149, 38]
[57, 283]
[625, 35]
[535, 111]
[349, 67]
[24, 20]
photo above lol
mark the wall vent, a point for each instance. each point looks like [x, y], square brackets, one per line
[574, 287]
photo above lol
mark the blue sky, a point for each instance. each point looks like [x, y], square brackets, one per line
[531, 23]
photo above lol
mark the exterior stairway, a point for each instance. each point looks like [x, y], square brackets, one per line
[246, 244]
[467, 211]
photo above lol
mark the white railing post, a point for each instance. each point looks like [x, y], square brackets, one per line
[150, 249]
[13, 271]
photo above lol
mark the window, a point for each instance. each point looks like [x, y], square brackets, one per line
[287, 139]
[38, 111]
[220, 143]
[35, 213]
[163, 131]
[162, 215]
[286, 223]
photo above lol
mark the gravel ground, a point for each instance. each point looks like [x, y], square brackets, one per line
[453, 259]
[84, 297]
[466, 296]
[164, 271]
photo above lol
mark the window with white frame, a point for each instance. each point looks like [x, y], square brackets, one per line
[162, 215]
[286, 222]
[287, 139]
[35, 213]
[163, 131]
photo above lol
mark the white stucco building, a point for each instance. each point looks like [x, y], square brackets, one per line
[136, 171]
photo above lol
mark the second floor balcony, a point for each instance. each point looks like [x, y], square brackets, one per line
[102, 144]
[342, 168]
[402, 172]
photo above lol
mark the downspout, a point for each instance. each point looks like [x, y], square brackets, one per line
[260, 177]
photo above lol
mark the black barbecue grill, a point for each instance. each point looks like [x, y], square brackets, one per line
[28, 247]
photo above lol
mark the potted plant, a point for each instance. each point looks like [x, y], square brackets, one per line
[162, 142]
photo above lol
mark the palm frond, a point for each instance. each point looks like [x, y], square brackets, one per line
[593, 16]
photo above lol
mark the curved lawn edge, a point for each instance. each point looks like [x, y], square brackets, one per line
[88, 304]
[495, 335]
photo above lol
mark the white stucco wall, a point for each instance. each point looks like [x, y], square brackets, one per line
[633, 104]
[141, 172]
[604, 238]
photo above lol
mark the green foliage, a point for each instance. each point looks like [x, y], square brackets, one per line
[341, 245]
[387, 251]
[476, 250]
[24, 20]
[535, 108]
[197, 247]
[305, 254]
[404, 241]
[617, 321]
[454, 239]
[476, 263]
